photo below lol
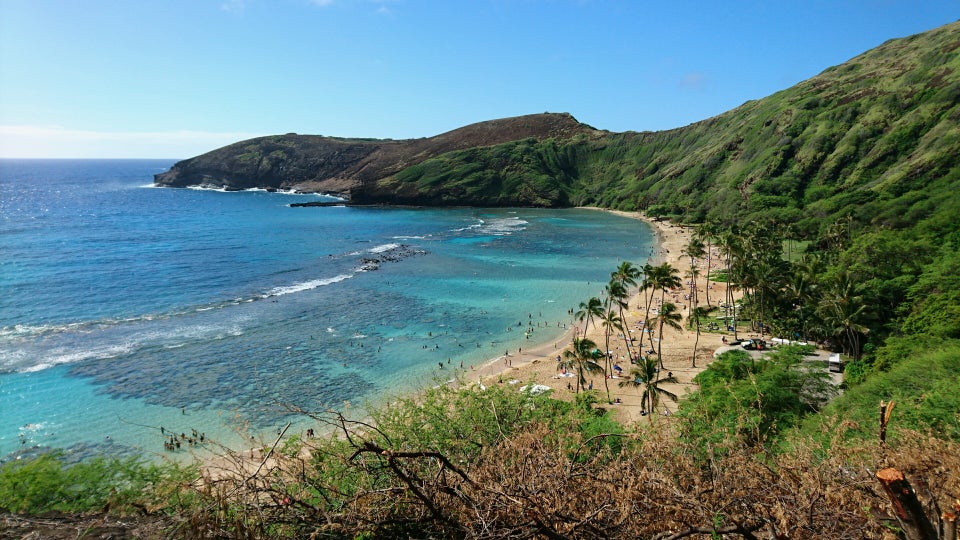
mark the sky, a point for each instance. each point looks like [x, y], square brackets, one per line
[177, 78]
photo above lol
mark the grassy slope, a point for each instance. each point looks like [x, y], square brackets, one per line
[875, 137]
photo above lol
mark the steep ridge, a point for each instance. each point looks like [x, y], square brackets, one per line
[882, 127]
[874, 128]
[330, 164]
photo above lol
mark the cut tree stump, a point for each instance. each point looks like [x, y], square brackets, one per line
[906, 506]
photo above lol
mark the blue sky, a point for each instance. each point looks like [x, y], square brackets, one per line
[176, 78]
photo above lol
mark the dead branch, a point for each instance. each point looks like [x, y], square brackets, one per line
[743, 530]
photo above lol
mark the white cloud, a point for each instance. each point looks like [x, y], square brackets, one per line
[383, 7]
[233, 6]
[20, 141]
[693, 80]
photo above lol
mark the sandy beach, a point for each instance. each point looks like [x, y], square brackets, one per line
[538, 364]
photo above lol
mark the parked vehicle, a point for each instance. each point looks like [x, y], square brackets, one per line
[835, 364]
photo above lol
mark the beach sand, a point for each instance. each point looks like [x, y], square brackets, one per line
[538, 364]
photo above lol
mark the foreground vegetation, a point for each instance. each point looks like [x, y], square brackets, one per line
[497, 463]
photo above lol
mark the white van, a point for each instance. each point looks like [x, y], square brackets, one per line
[835, 364]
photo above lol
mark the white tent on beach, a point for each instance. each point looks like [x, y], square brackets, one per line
[536, 389]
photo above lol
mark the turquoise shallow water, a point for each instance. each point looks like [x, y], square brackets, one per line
[125, 307]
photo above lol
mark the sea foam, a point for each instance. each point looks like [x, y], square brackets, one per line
[383, 248]
[111, 351]
[305, 286]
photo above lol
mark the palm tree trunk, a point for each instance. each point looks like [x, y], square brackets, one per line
[730, 304]
[707, 280]
[646, 320]
[696, 342]
[761, 312]
[607, 369]
[660, 345]
[625, 328]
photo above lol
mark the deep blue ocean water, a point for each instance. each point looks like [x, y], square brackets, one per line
[125, 307]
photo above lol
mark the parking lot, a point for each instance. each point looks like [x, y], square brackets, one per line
[821, 356]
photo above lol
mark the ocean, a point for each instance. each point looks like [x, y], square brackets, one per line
[125, 308]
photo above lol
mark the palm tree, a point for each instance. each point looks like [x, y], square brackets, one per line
[647, 285]
[619, 296]
[760, 276]
[732, 249]
[802, 286]
[840, 309]
[582, 356]
[667, 277]
[648, 376]
[705, 233]
[772, 283]
[669, 316]
[611, 322]
[838, 235]
[660, 278]
[693, 274]
[626, 274]
[696, 315]
[588, 310]
[694, 250]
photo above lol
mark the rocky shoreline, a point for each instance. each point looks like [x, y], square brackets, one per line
[399, 253]
[318, 203]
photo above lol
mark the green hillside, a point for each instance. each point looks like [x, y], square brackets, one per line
[874, 138]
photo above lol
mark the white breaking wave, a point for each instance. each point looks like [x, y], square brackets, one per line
[21, 331]
[477, 225]
[221, 189]
[383, 248]
[496, 227]
[26, 331]
[505, 226]
[109, 351]
[305, 286]
[168, 337]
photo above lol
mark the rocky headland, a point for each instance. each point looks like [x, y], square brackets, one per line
[351, 168]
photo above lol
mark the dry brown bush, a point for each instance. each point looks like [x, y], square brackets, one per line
[544, 484]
